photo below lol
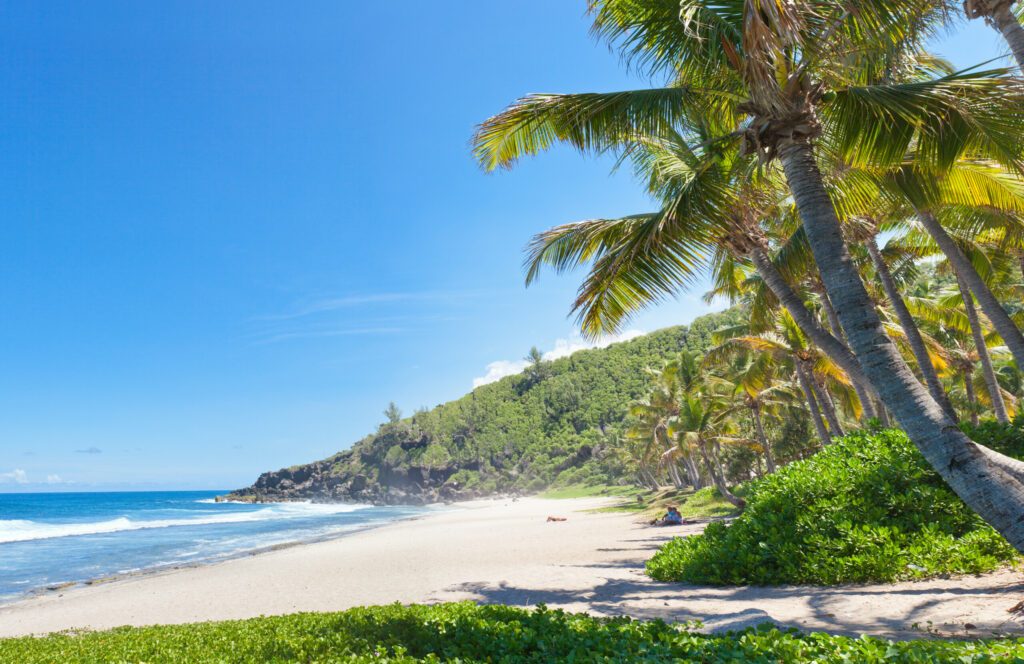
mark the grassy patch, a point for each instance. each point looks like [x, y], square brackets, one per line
[590, 491]
[867, 508]
[466, 632]
[708, 503]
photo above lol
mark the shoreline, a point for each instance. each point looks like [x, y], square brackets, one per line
[60, 587]
[506, 552]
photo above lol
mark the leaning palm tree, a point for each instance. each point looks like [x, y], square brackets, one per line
[953, 206]
[983, 225]
[781, 77]
[709, 218]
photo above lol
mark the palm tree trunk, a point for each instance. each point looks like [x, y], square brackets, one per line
[693, 472]
[673, 474]
[830, 313]
[995, 394]
[833, 347]
[860, 386]
[830, 344]
[716, 454]
[827, 407]
[995, 494]
[646, 477]
[1001, 320]
[909, 326]
[769, 456]
[812, 405]
[972, 400]
[1006, 22]
[883, 415]
[718, 478]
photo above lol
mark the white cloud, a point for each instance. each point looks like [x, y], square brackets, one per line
[563, 348]
[17, 476]
[54, 479]
[498, 370]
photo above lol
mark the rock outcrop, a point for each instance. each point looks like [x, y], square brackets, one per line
[360, 476]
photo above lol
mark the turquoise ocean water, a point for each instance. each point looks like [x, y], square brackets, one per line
[48, 539]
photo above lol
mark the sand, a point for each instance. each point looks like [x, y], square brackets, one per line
[505, 551]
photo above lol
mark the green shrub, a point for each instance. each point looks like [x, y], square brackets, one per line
[435, 456]
[1005, 438]
[466, 632]
[867, 508]
[395, 457]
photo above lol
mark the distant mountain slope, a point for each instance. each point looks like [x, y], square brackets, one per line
[522, 433]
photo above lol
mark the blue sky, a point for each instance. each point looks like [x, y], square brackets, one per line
[231, 232]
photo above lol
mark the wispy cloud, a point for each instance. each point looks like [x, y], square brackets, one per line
[328, 304]
[54, 479]
[562, 348]
[16, 476]
[364, 314]
[277, 337]
[90, 450]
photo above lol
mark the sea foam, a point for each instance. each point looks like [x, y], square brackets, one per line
[20, 530]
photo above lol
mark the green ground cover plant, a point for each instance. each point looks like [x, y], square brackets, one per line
[465, 632]
[865, 509]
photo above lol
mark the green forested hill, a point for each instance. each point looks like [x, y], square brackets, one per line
[525, 432]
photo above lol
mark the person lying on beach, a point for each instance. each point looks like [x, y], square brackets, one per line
[672, 518]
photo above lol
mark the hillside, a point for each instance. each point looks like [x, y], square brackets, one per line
[523, 433]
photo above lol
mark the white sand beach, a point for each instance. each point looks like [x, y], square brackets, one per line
[503, 551]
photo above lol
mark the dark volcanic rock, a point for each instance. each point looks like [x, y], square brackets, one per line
[349, 477]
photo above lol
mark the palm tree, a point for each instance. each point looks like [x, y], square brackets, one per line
[984, 228]
[754, 381]
[786, 346]
[784, 75]
[953, 207]
[654, 417]
[651, 417]
[634, 450]
[640, 258]
[966, 341]
[910, 328]
[703, 425]
[995, 392]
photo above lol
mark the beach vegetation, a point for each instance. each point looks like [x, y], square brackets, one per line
[868, 508]
[466, 632]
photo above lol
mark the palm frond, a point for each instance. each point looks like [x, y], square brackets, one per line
[590, 122]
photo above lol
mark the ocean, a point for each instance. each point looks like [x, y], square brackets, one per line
[51, 539]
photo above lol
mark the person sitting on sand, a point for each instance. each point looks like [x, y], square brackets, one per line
[672, 517]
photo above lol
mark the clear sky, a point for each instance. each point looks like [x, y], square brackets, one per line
[231, 232]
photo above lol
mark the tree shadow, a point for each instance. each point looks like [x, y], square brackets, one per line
[721, 609]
